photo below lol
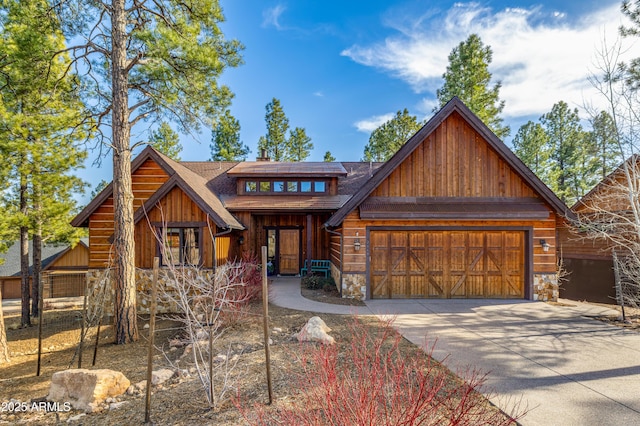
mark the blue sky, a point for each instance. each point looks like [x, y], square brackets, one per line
[341, 68]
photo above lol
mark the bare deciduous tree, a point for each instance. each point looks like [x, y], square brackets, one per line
[610, 214]
[205, 300]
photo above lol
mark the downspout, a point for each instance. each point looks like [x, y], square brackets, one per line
[215, 254]
[341, 256]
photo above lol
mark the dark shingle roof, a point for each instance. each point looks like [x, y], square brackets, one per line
[284, 169]
[50, 252]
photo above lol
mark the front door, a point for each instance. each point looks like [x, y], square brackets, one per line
[289, 251]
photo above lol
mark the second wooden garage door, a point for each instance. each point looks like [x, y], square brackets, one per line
[447, 264]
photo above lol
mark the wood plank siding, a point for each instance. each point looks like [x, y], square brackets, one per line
[177, 209]
[256, 224]
[543, 262]
[454, 161]
[76, 258]
[146, 180]
[488, 248]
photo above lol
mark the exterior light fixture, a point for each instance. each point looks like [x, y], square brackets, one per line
[356, 243]
[241, 240]
[545, 245]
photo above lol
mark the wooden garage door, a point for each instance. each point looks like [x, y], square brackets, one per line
[447, 264]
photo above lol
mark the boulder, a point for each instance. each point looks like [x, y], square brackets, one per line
[86, 389]
[315, 330]
[158, 377]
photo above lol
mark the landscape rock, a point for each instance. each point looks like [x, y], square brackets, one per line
[137, 388]
[76, 417]
[86, 389]
[158, 377]
[315, 330]
[116, 405]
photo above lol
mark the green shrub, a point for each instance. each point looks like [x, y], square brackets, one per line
[316, 282]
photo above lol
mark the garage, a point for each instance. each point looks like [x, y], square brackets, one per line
[447, 264]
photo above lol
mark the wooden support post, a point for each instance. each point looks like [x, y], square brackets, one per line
[40, 318]
[309, 241]
[265, 313]
[84, 320]
[152, 329]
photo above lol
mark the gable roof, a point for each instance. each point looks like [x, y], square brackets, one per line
[454, 105]
[190, 182]
[50, 253]
[633, 159]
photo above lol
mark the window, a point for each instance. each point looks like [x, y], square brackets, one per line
[182, 246]
[265, 186]
[276, 186]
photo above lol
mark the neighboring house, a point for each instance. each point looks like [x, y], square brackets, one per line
[63, 270]
[453, 214]
[589, 262]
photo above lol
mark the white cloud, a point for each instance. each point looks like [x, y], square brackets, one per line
[318, 94]
[271, 16]
[539, 57]
[368, 125]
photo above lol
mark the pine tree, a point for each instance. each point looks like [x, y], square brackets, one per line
[146, 59]
[390, 136]
[98, 188]
[167, 141]
[225, 140]
[40, 132]
[277, 145]
[531, 145]
[275, 141]
[604, 137]
[468, 78]
[328, 158]
[300, 144]
[567, 147]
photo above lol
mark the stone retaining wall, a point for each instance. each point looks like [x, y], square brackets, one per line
[144, 277]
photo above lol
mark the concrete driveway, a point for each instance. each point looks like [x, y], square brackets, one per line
[567, 368]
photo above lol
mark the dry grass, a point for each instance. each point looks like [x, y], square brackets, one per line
[181, 401]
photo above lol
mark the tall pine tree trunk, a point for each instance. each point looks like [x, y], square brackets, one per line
[25, 320]
[4, 349]
[126, 329]
[37, 252]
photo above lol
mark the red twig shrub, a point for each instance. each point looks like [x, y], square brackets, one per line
[371, 382]
[245, 281]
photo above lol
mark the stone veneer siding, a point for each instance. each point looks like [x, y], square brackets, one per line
[354, 286]
[545, 287]
[144, 278]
